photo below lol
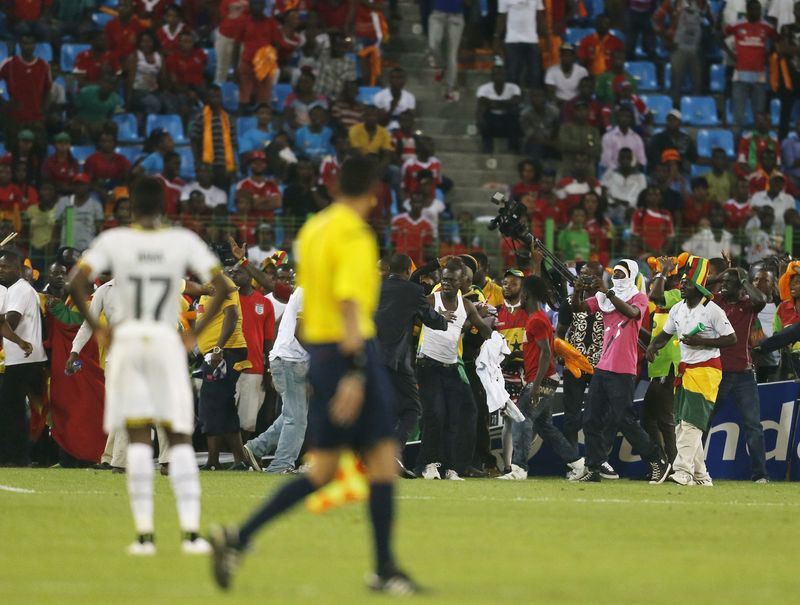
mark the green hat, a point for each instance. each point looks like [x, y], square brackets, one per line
[62, 136]
[26, 135]
[697, 273]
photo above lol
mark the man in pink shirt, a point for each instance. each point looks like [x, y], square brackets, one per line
[609, 405]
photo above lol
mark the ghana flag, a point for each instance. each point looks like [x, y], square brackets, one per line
[696, 389]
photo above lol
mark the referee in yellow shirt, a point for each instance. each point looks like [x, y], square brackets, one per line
[352, 403]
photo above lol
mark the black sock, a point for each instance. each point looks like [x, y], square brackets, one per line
[282, 500]
[381, 510]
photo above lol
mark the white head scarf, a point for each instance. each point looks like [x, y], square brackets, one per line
[624, 288]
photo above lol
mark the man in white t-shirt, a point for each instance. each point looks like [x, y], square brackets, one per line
[519, 23]
[702, 328]
[24, 358]
[214, 196]
[289, 368]
[87, 214]
[394, 100]
[562, 80]
[498, 111]
[264, 247]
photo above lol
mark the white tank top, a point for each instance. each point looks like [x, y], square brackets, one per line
[442, 345]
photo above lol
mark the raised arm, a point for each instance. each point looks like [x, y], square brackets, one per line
[657, 287]
[628, 310]
[475, 319]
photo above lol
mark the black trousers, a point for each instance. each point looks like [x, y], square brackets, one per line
[658, 415]
[500, 125]
[482, 452]
[409, 406]
[18, 381]
[448, 418]
[574, 393]
[609, 407]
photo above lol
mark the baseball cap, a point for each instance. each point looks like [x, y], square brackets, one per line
[258, 155]
[26, 135]
[62, 136]
[675, 114]
[81, 178]
[515, 273]
[567, 47]
[264, 227]
[777, 174]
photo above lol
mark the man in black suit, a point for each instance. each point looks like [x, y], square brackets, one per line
[402, 303]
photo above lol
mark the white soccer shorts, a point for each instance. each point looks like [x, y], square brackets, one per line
[148, 382]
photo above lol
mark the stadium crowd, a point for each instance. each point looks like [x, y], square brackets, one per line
[245, 112]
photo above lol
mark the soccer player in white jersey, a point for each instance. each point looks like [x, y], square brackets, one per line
[148, 383]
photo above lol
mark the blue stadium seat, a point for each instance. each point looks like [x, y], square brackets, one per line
[707, 140]
[775, 111]
[748, 113]
[81, 152]
[645, 74]
[3, 52]
[660, 105]
[68, 54]
[3, 91]
[367, 93]
[187, 163]
[619, 34]
[574, 35]
[230, 96]
[716, 78]
[132, 153]
[43, 51]
[699, 111]
[127, 128]
[698, 170]
[244, 124]
[169, 122]
[100, 20]
[279, 94]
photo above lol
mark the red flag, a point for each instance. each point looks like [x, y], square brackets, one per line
[76, 402]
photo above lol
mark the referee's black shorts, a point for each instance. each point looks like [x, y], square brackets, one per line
[376, 421]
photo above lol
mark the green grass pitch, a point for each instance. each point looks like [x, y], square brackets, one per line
[480, 541]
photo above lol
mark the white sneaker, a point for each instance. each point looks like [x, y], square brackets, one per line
[431, 471]
[198, 546]
[513, 412]
[682, 478]
[451, 475]
[517, 474]
[577, 470]
[607, 471]
[141, 549]
[704, 482]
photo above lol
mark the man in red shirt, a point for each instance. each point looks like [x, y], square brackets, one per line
[266, 197]
[105, 167]
[546, 205]
[413, 234]
[752, 36]
[753, 145]
[258, 326]
[741, 301]
[423, 160]
[257, 32]
[184, 69]
[231, 17]
[11, 201]
[28, 81]
[574, 186]
[541, 381]
[89, 64]
[596, 49]
[121, 33]
[173, 184]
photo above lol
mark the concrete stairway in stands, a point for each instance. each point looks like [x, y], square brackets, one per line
[451, 125]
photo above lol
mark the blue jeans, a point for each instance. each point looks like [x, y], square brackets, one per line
[287, 433]
[741, 92]
[742, 387]
[522, 435]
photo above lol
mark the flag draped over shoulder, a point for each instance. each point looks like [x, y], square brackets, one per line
[76, 402]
